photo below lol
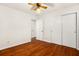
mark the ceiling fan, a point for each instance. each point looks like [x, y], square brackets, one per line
[38, 6]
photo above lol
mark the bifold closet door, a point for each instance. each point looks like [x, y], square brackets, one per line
[69, 30]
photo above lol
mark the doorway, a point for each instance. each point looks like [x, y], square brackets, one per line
[33, 29]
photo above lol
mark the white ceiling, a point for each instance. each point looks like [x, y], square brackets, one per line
[26, 8]
[19, 6]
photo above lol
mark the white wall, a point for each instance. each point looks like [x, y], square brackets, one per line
[15, 27]
[52, 24]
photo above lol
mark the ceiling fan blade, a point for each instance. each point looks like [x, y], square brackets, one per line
[34, 8]
[45, 7]
[33, 4]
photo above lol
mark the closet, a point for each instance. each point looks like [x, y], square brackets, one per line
[69, 30]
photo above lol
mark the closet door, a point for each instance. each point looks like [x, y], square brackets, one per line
[33, 28]
[69, 30]
[39, 29]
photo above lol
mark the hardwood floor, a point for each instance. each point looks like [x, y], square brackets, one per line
[39, 48]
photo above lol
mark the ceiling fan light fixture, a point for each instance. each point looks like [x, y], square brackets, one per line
[38, 7]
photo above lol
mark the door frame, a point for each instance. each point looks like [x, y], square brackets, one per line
[62, 27]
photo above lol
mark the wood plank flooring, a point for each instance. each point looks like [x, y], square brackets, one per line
[39, 48]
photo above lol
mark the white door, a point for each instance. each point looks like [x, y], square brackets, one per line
[33, 28]
[69, 30]
[39, 29]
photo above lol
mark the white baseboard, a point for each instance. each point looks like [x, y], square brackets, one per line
[77, 48]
